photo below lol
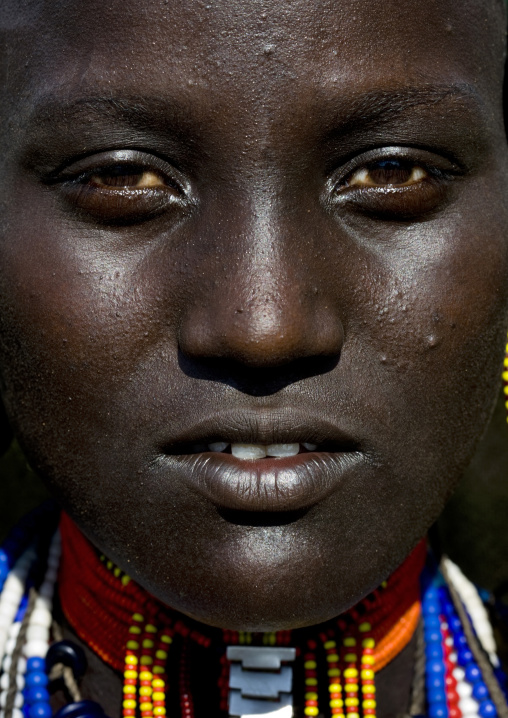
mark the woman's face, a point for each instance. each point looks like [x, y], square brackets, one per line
[261, 223]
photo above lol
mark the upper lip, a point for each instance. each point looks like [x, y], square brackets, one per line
[255, 426]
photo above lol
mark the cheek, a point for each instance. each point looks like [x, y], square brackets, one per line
[436, 332]
[76, 319]
[81, 299]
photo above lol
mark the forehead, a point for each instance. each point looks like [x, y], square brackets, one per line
[262, 52]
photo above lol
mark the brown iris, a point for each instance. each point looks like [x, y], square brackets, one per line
[126, 177]
[387, 173]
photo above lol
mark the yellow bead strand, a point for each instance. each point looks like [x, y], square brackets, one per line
[367, 672]
[336, 701]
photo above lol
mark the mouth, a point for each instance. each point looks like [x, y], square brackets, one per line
[264, 463]
[248, 451]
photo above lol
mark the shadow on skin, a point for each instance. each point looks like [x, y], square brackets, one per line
[261, 518]
[255, 380]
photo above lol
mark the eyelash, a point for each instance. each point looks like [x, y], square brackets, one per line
[128, 172]
[164, 188]
[394, 201]
[122, 202]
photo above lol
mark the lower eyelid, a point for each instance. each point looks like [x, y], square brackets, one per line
[87, 184]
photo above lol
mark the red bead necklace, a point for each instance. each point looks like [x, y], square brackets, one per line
[135, 634]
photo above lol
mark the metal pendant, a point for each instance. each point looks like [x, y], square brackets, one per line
[258, 684]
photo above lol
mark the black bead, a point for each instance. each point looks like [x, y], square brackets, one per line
[82, 709]
[69, 654]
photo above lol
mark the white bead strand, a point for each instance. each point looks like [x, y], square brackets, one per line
[467, 705]
[469, 708]
[16, 713]
[39, 623]
[18, 701]
[474, 606]
[12, 593]
[7, 661]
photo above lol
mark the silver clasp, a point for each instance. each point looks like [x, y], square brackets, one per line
[258, 683]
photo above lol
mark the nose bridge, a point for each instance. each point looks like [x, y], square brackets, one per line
[264, 305]
[271, 294]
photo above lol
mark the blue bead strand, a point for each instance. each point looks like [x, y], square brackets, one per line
[437, 603]
[465, 658]
[36, 692]
[435, 678]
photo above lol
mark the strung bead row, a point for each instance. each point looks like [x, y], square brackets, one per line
[347, 671]
[145, 680]
[23, 686]
[146, 657]
[246, 638]
[186, 700]
[455, 686]
[476, 610]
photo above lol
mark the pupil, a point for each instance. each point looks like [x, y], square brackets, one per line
[120, 176]
[390, 164]
[390, 172]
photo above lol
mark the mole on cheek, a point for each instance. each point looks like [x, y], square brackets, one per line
[432, 340]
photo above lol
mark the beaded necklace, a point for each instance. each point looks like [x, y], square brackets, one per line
[347, 650]
[335, 663]
[456, 684]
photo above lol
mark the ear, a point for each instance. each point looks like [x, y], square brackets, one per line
[5, 430]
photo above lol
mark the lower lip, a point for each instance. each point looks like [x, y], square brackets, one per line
[271, 484]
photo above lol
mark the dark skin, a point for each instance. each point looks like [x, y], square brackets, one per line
[243, 222]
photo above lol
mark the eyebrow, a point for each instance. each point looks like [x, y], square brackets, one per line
[139, 109]
[384, 105]
[64, 123]
[172, 124]
[129, 107]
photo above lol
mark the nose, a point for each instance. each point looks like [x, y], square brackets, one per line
[265, 304]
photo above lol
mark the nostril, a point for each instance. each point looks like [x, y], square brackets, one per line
[260, 381]
[246, 339]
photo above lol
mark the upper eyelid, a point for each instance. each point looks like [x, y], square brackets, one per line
[427, 159]
[90, 164]
[102, 160]
[85, 167]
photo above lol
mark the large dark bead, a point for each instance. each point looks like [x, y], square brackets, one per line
[82, 709]
[69, 654]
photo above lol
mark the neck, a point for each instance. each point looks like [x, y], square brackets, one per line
[98, 603]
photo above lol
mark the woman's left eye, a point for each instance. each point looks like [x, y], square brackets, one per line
[387, 173]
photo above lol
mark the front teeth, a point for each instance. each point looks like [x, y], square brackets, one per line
[282, 449]
[260, 451]
[248, 451]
